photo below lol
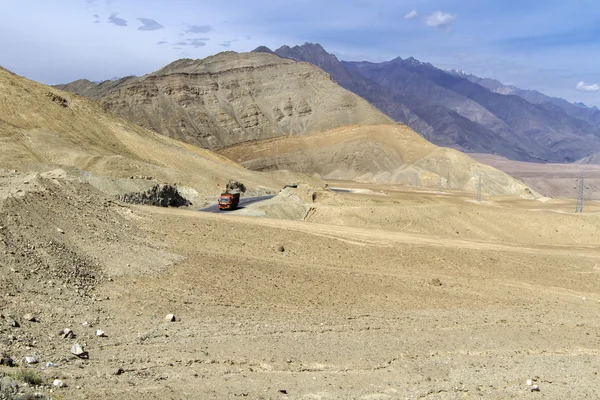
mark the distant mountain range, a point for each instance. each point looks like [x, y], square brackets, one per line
[462, 111]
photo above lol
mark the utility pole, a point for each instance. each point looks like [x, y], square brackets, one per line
[479, 189]
[417, 184]
[448, 181]
[580, 192]
[440, 184]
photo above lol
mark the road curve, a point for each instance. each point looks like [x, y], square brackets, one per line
[244, 202]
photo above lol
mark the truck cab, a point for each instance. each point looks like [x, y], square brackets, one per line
[229, 201]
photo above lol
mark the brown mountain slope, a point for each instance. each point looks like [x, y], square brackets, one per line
[231, 98]
[42, 127]
[375, 153]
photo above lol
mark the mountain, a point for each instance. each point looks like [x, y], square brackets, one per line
[230, 98]
[42, 128]
[375, 154]
[453, 111]
[577, 110]
[591, 159]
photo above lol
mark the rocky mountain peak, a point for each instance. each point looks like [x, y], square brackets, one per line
[262, 49]
[311, 52]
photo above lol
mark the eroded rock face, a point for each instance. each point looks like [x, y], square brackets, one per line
[231, 98]
[159, 195]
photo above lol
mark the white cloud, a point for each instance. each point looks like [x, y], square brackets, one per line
[439, 19]
[411, 15]
[582, 87]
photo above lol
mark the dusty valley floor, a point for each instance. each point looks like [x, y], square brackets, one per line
[386, 293]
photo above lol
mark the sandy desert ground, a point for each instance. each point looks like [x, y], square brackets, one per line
[554, 180]
[434, 296]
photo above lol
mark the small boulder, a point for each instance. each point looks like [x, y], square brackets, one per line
[535, 388]
[31, 360]
[280, 248]
[30, 318]
[7, 361]
[77, 350]
[68, 333]
[60, 230]
[170, 318]
[58, 383]
[100, 333]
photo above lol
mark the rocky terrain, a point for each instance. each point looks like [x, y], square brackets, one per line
[231, 98]
[375, 291]
[451, 110]
[377, 154]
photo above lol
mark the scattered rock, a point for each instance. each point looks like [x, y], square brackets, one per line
[170, 318]
[58, 383]
[535, 388]
[281, 248]
[283, 391]
[7, 361]
[436, 282]
[15, 324]
[30, 318]
[31, 360]
[84, 324]
[119, 371]
[77, 350]
[51, 365]
[60, 231]
[529, 382]
[68, 333]
[100, 333]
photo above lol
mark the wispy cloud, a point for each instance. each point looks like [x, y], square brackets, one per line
[226, 43]
[198, 28]
[113, 19]
[439, 19]
[149, 25]
[161, 43]
[582, 87]
[411, 15]
[193, 42]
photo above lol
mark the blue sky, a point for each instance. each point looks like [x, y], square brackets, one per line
[548, 45]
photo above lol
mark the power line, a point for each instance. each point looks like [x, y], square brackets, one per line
[580, 193]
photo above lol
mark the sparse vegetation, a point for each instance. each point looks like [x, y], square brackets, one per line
[28, 376]
[11, 385]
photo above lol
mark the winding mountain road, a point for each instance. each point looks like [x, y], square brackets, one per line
[244, 202]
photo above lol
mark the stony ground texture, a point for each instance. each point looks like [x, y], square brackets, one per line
[318, 308]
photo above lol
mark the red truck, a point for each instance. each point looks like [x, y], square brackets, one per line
[229, 201]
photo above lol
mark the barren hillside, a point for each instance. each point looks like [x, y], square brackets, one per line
[231, 98]
[42, 128]
[375, 153]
